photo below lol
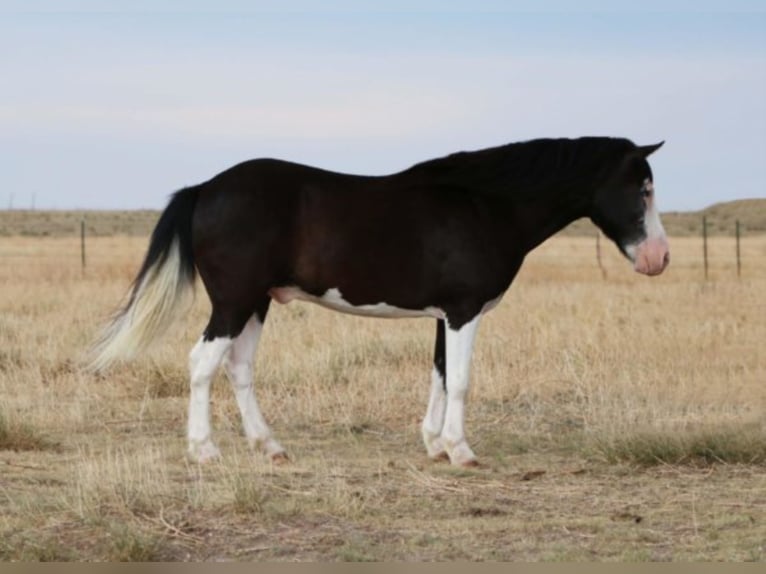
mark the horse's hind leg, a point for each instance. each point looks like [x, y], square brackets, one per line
[226, 323]
[204, 360]
[239, 368]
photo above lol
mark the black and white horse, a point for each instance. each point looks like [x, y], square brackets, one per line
[442, 239]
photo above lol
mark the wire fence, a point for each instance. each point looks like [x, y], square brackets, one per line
[731, 259]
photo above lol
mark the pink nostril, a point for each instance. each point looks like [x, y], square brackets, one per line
[666, 259]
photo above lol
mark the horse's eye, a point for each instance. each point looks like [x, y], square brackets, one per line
[647, 189]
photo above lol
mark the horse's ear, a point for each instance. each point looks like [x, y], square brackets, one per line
[647, 150]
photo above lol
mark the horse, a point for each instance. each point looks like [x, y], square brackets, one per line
[442, 239]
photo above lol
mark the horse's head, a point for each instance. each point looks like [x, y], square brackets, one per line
[624, 208]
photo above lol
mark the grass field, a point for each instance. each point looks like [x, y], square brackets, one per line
[619, 418]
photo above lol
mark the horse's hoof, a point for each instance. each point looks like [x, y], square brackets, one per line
[280, 458]
[472, 463]
[204, 453]
[440, 457]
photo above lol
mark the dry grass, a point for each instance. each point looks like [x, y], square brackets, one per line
[620, 419]
[16, 435]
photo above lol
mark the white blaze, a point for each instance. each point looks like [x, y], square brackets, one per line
[650, 255]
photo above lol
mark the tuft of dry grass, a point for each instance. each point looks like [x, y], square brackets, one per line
[118, 482]
[248, 497]
[620, 418]
[17, 435]
[130, 544]
[728, 444]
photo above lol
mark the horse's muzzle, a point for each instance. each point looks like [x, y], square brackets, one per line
[652, 256]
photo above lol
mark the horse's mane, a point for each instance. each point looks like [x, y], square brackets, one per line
[528, 169]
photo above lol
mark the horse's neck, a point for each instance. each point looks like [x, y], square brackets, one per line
[525, 224]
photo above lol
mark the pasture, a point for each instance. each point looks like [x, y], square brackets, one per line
[618, 418]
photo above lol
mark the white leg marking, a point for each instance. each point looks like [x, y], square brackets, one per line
[204, 360]
[459, 348]
[239, 368]
[434, 419]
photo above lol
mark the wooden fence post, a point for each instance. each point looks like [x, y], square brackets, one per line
[739, 258]
[598, 255]
[82, 243]
[704, 244]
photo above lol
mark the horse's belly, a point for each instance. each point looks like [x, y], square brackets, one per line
[333, 299]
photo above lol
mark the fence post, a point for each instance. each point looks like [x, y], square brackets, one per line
[704, 243]
[739, 259]
[82, 243]
[598, 255]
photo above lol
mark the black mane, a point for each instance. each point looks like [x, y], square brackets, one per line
[528, 169]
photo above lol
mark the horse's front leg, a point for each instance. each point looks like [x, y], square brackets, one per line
[433, 422]
[459, 349]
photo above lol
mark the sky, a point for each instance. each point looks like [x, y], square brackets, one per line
[115, 105]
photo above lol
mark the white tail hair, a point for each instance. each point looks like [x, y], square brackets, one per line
[153, 304]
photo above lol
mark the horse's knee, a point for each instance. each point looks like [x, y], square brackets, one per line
[240, 374]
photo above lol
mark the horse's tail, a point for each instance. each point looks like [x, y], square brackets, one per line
[166, 275]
